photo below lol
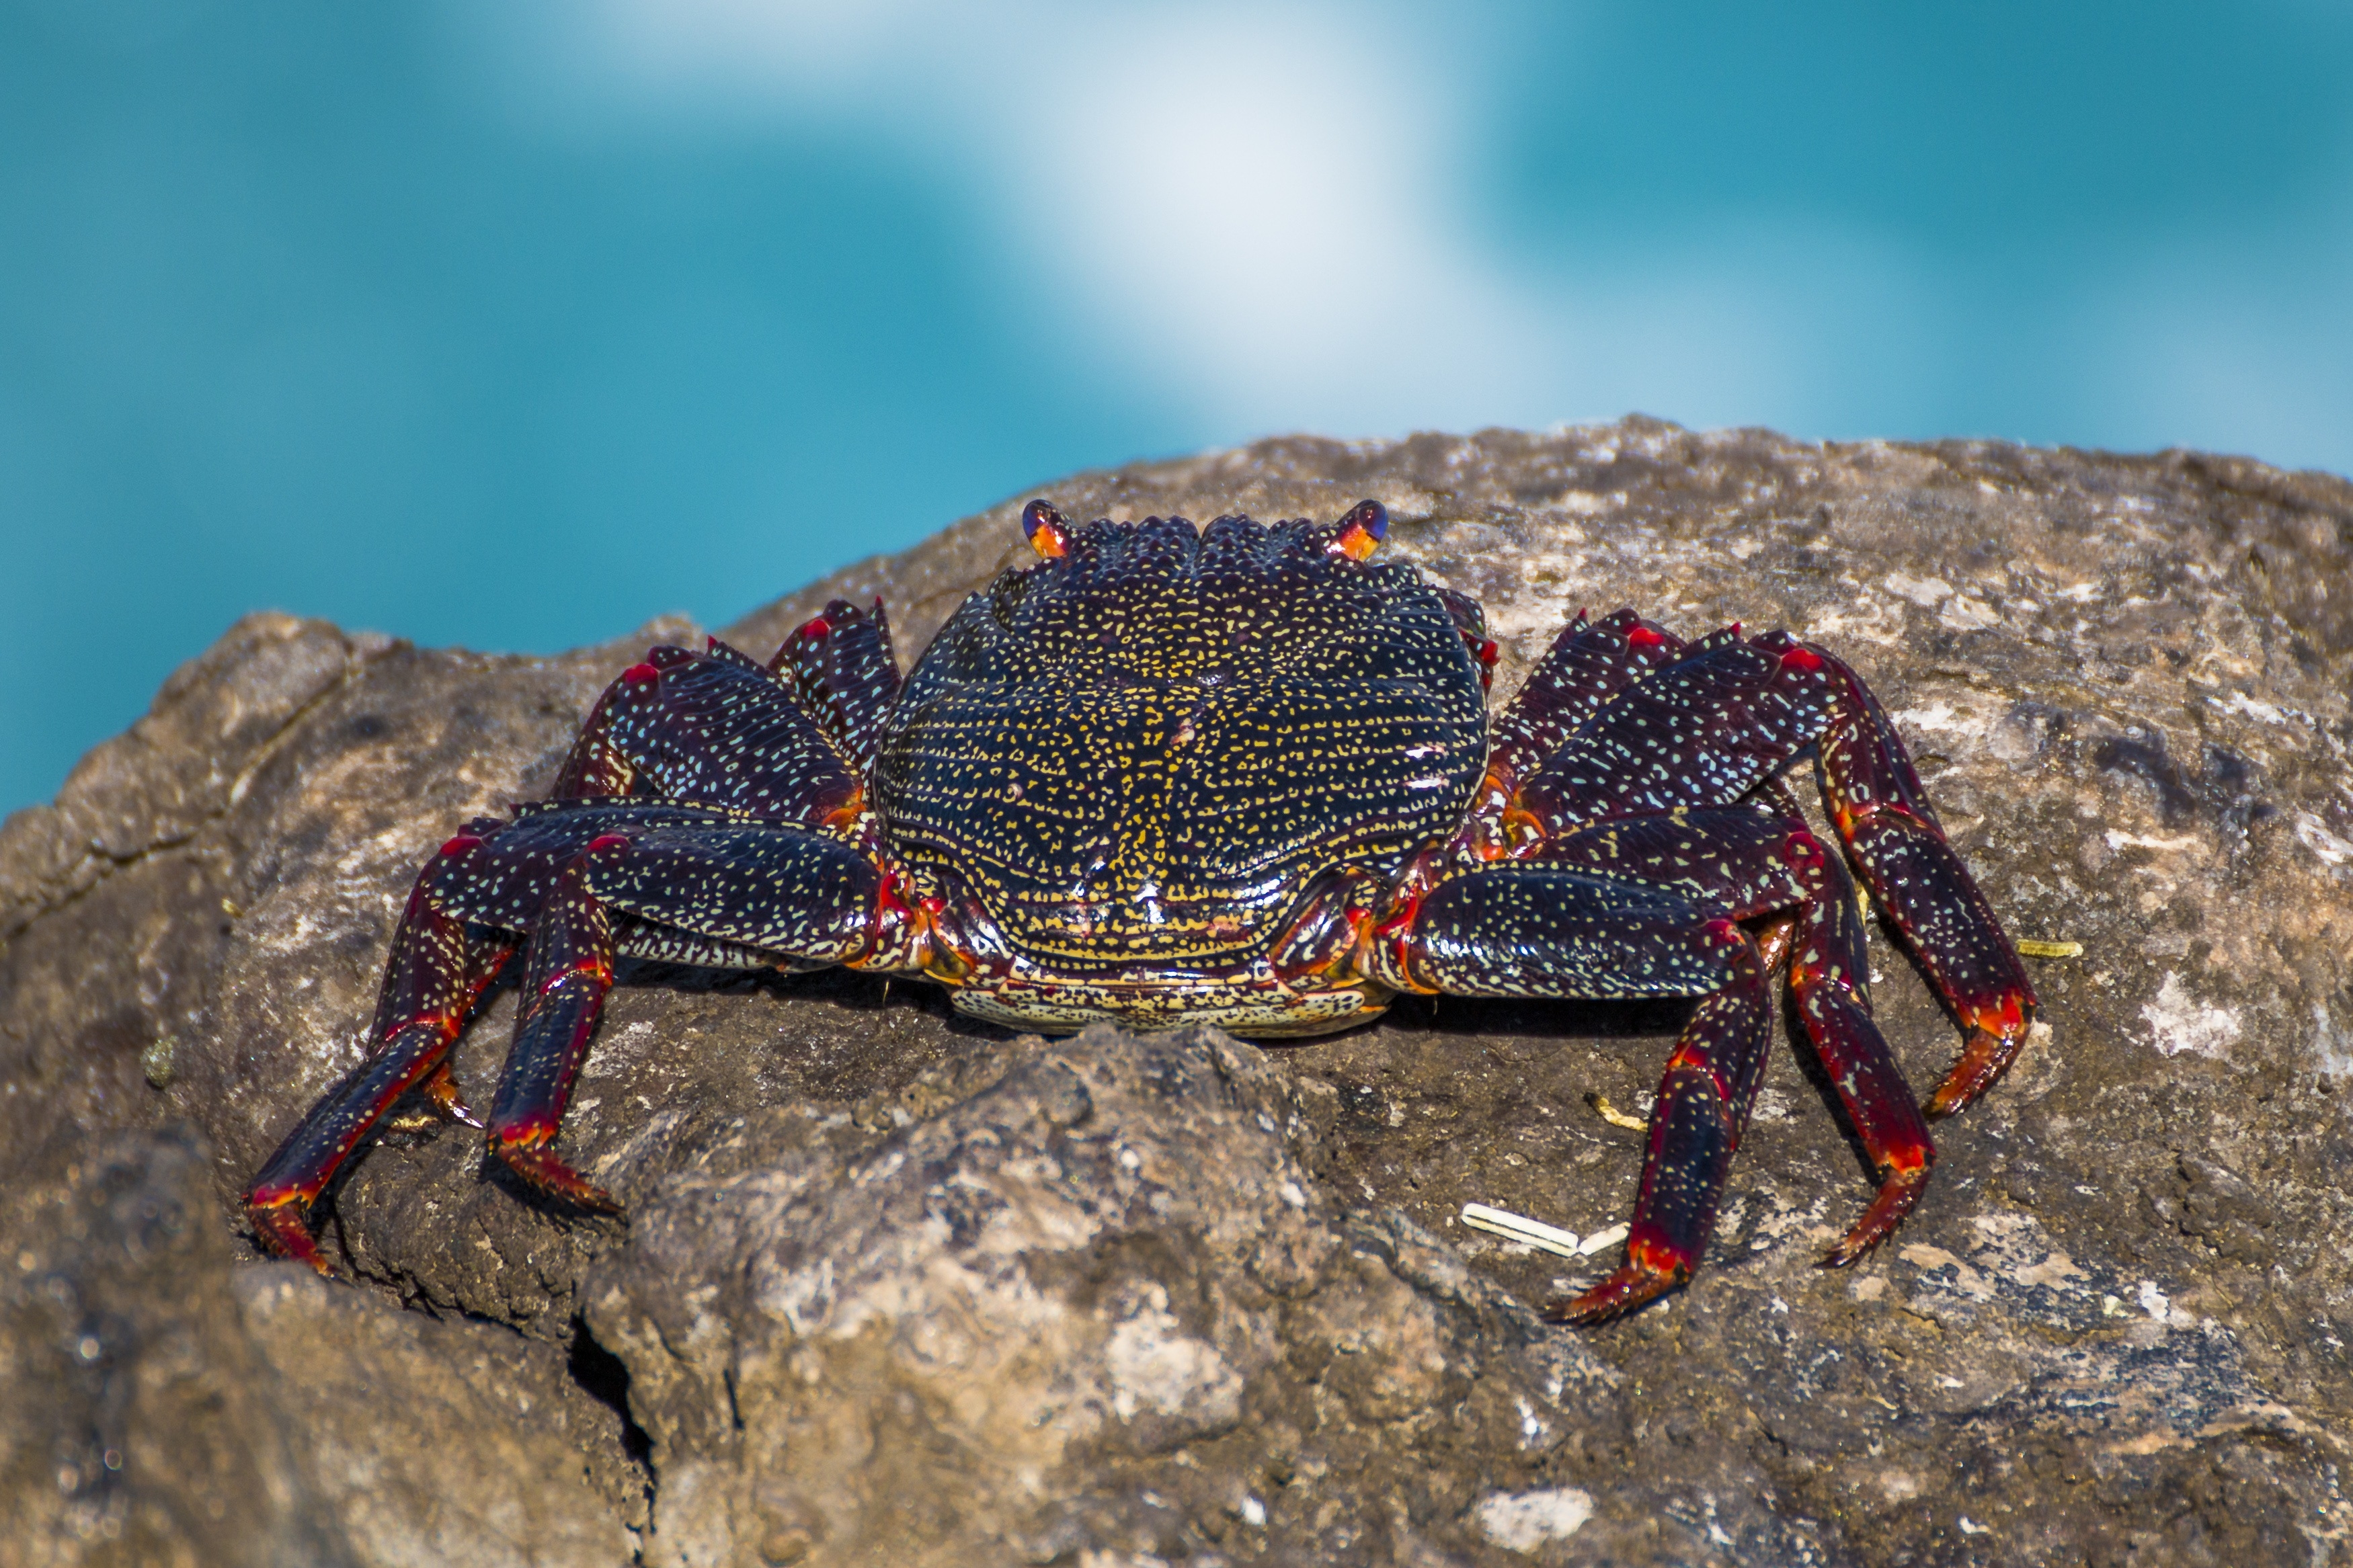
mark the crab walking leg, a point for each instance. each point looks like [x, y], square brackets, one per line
[1702, 1107]
[713, 728]
[433, 980]
[786, 893]
[568, 972]
[1883, 816]
[1747, 863]
[1541, 931]
[845, 674]
[1827, 970]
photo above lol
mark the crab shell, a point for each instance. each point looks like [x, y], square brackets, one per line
[1118, 772]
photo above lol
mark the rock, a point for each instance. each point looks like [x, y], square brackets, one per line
[162, 1411]
[1101, 1305]
[2114, 1331]
[438, 1442]
[137, 1419]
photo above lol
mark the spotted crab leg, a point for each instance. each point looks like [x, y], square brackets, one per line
[1637, 907]
[714, 728]
[1748, 863]
[1588, 661]
[434, 978]
[1547, 931]
[747, 891]
[567, 971]
[1636, 724]
[1883, 816]
[846, 673]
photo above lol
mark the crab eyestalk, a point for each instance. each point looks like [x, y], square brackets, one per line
[1359, 533]
[1049, 533]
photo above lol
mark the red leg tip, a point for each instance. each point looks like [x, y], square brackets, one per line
[282, 1230]
[1649, 1272]
[1631, 1285]
[1985, 1055]
[1897, 1194]
[542, 1168]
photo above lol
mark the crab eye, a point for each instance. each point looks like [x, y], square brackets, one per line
[1049, 536]
[1361, 531]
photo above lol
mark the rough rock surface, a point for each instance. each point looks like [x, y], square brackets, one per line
[899, 1286]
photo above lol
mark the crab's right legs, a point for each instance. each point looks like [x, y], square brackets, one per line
[436, 974]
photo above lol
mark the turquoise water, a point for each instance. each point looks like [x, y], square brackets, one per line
[513, 325]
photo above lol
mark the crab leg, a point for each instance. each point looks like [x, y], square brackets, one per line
[1587, 662]
[846, 673]
[715, 729]
[1702, 1107]
[1714, 726]
[568, 972]
[1883, 816]
[434, 978]
[1750, 863]
[1623, 909]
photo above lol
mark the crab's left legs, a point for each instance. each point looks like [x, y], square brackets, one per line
[1623, 910]
[1750, 863]
[1541, 931]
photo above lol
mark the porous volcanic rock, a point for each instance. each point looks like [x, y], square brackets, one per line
[900, 1286]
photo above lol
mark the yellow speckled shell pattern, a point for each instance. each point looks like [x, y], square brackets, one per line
[1141, 754]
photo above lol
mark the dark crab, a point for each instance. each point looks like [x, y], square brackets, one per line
[1241, 775]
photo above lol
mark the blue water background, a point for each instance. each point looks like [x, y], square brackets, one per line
[513, 325]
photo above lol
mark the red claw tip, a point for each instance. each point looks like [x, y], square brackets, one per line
[1640, 636]
[814, 628]
[1801, 658]
[604, 841]
[460, 844]
[639, 674]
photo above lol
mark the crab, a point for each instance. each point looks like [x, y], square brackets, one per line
[1240, 774]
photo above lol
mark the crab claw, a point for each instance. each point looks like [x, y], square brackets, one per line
[1048, 533]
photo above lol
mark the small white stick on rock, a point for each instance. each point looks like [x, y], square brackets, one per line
[1519, 1227]
[1601, 1238]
